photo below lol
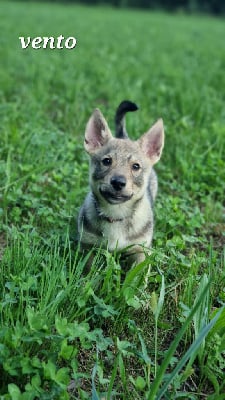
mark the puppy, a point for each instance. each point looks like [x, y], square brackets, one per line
[118, 211]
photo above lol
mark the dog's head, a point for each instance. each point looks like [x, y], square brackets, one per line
[120, 168]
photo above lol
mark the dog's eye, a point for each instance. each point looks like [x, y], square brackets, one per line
[107, 161]
[136, 167]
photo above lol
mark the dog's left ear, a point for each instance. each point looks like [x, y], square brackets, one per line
[152, 142]
[97, 132]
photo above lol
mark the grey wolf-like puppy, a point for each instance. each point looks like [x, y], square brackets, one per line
[118, 211]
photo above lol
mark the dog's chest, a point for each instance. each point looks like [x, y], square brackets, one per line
[114, 234]
[122, 233]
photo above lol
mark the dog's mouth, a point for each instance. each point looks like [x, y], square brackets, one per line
[115, 198]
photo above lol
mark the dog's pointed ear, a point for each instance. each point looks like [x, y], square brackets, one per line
[97, 132]
[152, 142]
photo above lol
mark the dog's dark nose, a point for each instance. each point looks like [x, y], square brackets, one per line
[118, 182]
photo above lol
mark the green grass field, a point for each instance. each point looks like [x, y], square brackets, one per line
[66, 333]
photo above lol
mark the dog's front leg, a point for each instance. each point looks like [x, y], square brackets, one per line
[134, 256]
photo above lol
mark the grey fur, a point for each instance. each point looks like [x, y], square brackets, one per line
[118, 210]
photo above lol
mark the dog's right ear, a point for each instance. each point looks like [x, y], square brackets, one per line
[97, 132]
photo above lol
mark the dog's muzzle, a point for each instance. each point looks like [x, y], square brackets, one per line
[118, 182]
[114, 193]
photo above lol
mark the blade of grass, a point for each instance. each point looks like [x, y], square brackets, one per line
[132, 274]
[159, 377]
[113, 377]
[94, 394]
[192, 349]
[156, 308]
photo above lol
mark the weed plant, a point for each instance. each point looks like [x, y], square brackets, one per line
[69, 332]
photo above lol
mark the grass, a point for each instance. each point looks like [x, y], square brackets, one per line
[66, 333]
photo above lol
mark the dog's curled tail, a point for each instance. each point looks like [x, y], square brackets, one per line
[121, 111]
